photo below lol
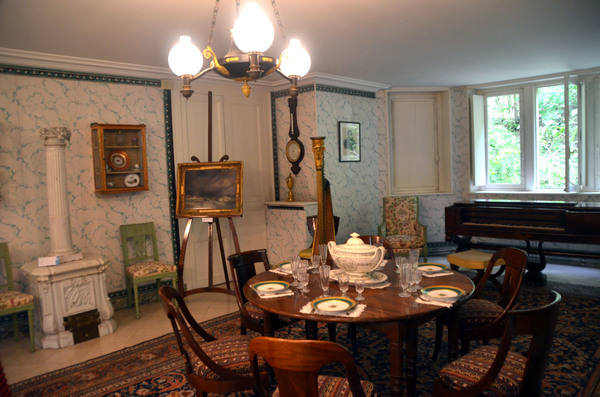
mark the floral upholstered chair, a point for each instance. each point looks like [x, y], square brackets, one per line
[401, 225]
[13, 302]
[140, 256]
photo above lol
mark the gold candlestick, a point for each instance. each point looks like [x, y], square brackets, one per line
[290, 185]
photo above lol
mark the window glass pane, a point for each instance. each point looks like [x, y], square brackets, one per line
[574, 136]
[550, 137]
[504, 139]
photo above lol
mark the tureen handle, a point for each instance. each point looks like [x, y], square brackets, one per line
[381, 253]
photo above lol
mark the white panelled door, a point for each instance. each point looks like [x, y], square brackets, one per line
[242, 131]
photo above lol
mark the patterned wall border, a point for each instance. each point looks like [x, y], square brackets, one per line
[61, 74]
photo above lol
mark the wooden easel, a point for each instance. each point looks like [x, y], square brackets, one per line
[209, 222]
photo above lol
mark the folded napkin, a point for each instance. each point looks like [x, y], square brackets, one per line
[437, 274]
[277, 271]
[433, 302]
[271, 295]
[357, 311]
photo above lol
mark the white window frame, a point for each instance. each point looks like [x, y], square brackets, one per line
[589, 130]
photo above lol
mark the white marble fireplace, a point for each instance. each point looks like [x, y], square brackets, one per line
[64, 290]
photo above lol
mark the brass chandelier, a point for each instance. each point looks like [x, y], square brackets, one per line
[252, 35]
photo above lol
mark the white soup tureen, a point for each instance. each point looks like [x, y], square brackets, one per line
[355, 257]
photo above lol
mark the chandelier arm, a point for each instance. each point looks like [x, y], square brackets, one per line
[209, 53]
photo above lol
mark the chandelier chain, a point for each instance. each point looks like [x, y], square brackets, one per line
[213, 22]
[276, 11]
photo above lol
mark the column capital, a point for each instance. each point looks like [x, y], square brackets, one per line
[60, 134]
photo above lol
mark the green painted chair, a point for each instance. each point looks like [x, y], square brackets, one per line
[13, 302]
[140, 256]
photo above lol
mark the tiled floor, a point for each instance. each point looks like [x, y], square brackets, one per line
[19, 363]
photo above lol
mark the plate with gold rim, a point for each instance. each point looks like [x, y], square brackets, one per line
[333, 304]
[445, 293]
[271, 287]
[285, 267]
[432, 267]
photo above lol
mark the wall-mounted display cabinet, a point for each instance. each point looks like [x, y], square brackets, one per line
[119, 152]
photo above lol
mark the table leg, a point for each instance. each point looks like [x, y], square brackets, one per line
[268, 319]
[396, 367]
[411, 361]
[453, 332]
[311, 330]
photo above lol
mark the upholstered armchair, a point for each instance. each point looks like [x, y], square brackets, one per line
[401, 225]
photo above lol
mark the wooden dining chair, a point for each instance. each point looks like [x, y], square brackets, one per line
[141, 260]
[297, 364]
[498, 371]
[211, 365]
[483, 319]
[13, 302]
[243, 267]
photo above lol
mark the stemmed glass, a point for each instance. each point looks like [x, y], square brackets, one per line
[400, 261]
[303, 277]
[403, 278]
[324, 278]
[314, 265]
[413, 257]
[323, 253]
[344, 282]
[295, 264]
[359, 285]
[415, 278]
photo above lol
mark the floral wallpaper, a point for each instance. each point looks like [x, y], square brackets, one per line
[29, 103]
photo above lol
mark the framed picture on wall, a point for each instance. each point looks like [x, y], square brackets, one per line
[349, 140]
[209, 190]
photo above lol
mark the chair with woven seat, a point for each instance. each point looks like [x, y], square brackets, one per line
[498, 371]
[297, 363]
[243, 267]
[401, 225]
[211, 365]
[141, 260]
[483, 319]
[13, 302]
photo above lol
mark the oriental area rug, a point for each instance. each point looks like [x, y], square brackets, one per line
[155, 368]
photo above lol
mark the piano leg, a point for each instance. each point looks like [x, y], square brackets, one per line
[535, 264]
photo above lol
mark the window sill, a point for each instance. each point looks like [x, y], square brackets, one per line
[536, 194]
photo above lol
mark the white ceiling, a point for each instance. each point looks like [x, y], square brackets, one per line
[403, 43]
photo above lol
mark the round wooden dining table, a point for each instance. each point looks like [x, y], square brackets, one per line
[396, 317]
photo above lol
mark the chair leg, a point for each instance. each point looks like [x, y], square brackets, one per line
[136, 298]
[31, 329]
[439, 330]
[352, 336]
[158, 285]
[15, 322]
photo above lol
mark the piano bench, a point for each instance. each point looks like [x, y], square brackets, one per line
[476, 260]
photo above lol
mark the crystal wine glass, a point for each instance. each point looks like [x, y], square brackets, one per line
[315, 262]
[323, 253]
[324, 278]
[295, 265]
[403, 277]
[359, 285]
[344, 282]
[400, 261]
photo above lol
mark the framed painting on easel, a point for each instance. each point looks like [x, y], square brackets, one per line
[209, 190]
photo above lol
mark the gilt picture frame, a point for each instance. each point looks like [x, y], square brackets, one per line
[209, 190]
[349, 141]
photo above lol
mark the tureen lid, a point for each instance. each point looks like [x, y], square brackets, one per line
[356, 245]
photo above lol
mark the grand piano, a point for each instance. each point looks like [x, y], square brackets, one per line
[530, 221]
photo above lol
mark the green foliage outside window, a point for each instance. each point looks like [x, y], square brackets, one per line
[504, 139]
